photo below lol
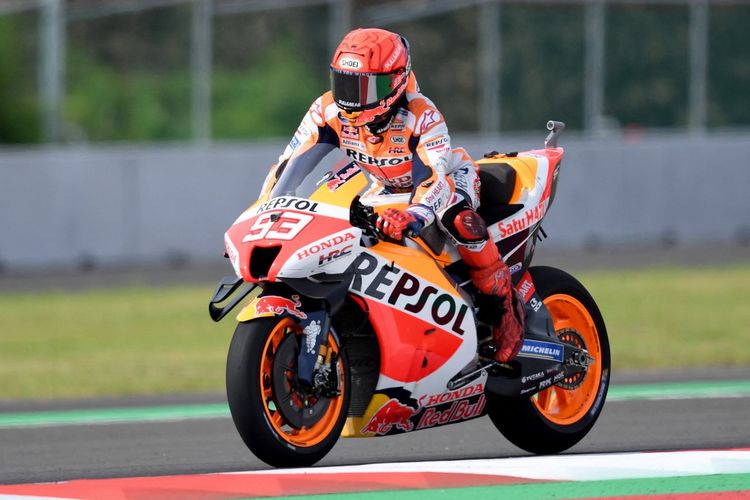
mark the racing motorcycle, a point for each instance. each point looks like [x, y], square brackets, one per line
[347, 333]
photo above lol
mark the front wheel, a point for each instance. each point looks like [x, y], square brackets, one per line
[282, 422]
[559, 417]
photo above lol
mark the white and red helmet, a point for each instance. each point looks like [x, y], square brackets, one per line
[370, 71]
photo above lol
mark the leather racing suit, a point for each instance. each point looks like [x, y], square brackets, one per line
[414, 154]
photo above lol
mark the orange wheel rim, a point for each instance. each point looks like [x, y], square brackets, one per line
[568, 406]
[304, 436]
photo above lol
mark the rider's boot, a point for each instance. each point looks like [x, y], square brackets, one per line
[491, 276]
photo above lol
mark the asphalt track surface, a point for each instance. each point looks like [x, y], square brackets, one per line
[41, 454]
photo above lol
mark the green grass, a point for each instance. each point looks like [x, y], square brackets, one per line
[110, 342]
[682, 317]
[160, 340]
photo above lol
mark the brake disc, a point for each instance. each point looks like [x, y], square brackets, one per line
[298, 405]
[573, 379]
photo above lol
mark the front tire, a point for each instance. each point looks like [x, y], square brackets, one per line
[557, 418]
[260, 379]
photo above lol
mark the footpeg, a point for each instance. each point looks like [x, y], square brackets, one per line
[488, 350]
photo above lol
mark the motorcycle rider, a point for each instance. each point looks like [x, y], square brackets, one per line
[375, 113]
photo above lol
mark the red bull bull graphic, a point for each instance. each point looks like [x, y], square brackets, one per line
[275, 304]
[391, 414]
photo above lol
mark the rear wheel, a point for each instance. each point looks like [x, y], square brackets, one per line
[283, 423]
[559, 417]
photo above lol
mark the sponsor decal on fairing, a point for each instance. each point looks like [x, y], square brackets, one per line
[450, 396]
[340, 177]
[329, 246]
[432, 410]
[277, 225]
[515, 267]
[524, 221]
[289, 202]
[458, 411]
[233, 254]
[379, 280]
[533, 377]
[393, 414]
[535, 304]
[526, 287]
[275, 304]
[541, 350]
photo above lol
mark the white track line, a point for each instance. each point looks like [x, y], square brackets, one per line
[591, 467]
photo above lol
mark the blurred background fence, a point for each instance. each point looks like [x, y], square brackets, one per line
[144, 70]
[663, 83]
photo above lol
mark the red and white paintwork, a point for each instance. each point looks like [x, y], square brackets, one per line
[401, 476]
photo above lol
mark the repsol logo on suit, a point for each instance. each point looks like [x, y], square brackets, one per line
[400, 288]
[380, 162]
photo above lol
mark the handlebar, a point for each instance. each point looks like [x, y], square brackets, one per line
[365, 218]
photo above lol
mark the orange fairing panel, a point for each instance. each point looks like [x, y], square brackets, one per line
[425, 329]
[526, 168]
[414, 261]
[411, 347]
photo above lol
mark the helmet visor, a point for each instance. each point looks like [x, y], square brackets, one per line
[359, 91]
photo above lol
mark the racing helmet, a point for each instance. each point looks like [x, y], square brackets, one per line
[370, 71]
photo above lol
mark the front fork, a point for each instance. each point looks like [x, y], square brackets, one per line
[311, 357]
[314, 362]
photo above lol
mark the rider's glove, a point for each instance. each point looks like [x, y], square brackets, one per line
[394, 222]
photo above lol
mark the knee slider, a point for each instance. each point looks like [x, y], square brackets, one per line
[470, 226]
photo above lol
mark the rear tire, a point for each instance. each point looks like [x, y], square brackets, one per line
[559, 417]
[260, 378]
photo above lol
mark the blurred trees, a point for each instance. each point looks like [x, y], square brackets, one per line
[128, 75]
[19, 111]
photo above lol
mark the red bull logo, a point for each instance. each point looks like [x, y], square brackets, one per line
[390, 415]
[341, 177]
[275, 304]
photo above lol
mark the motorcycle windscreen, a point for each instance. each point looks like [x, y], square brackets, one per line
[305, 172]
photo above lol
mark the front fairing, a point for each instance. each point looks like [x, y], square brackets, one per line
[291, 237]
[302, 233]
